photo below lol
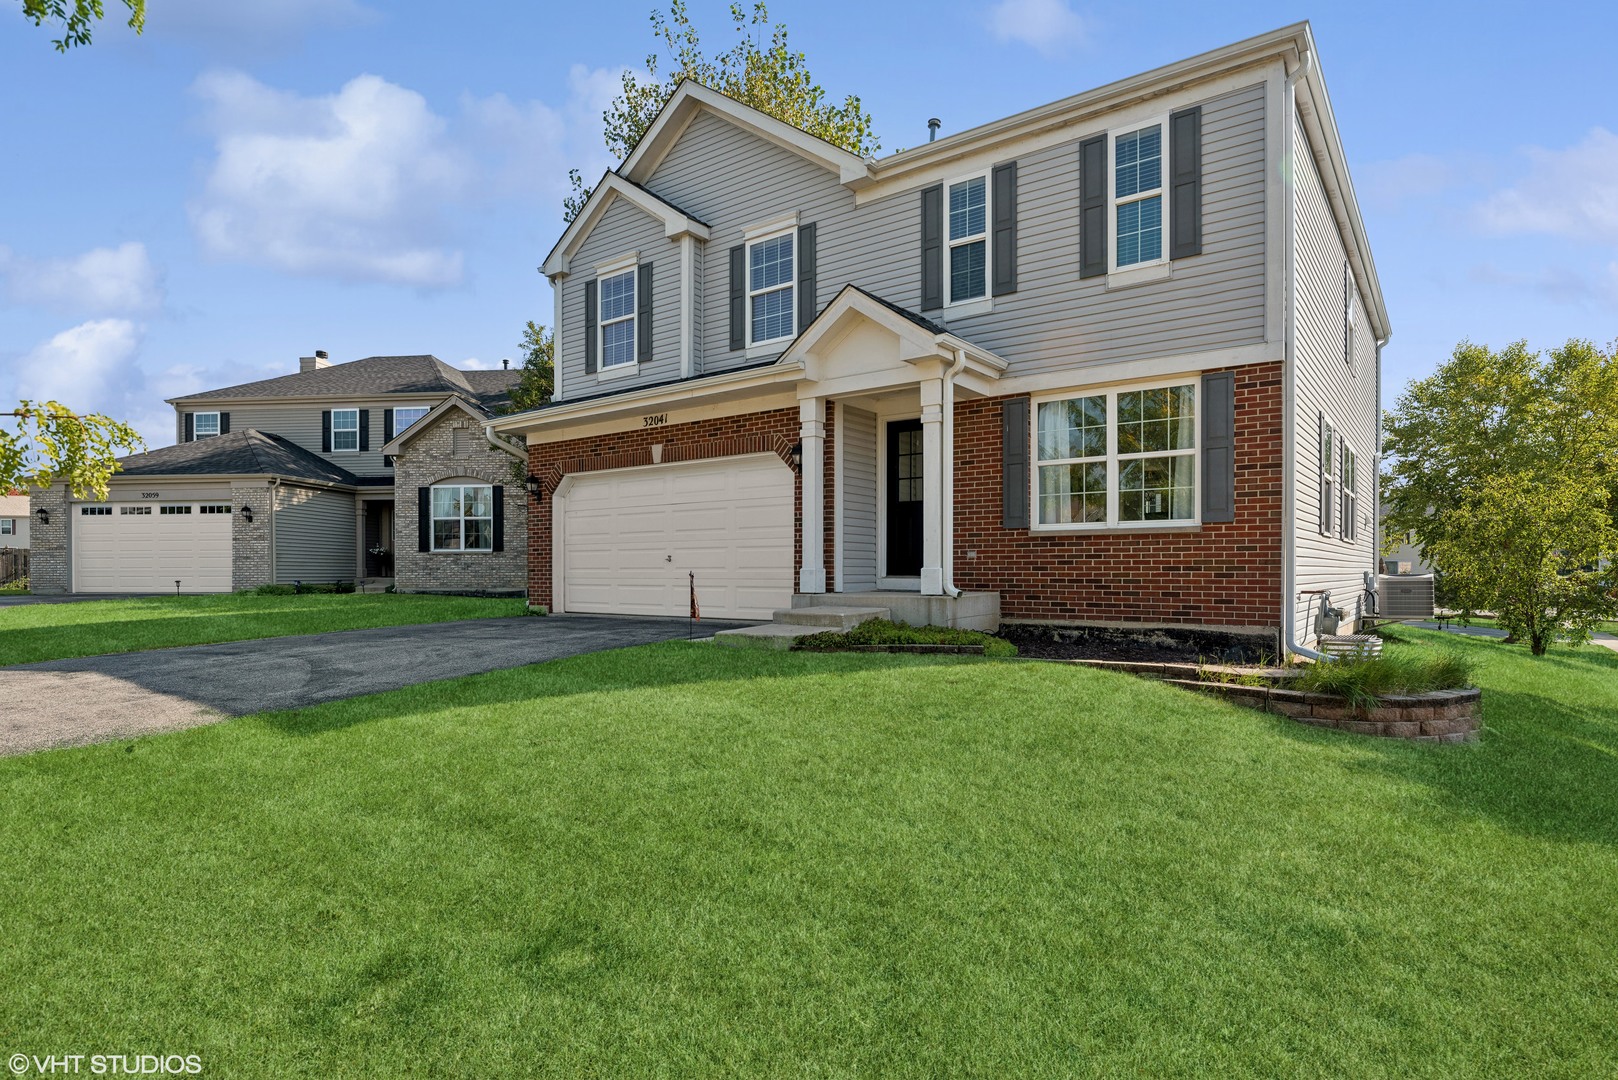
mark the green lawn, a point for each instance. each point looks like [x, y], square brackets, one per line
[691, 861]
[31, 632]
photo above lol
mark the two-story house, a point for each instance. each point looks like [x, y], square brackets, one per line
[1113, 360]
[380, 468]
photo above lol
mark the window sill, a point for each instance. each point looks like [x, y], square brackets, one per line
[461, 551]
[768, 348]
[617, 371]
[968, 309]
[1114, 530]
[1139, 275]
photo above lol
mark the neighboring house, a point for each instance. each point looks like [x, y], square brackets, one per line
[14, 526]
[1407, 558]
[378, 468]
[1112, 360]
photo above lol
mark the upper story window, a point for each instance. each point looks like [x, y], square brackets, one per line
[771, 271]
[345, 429]
[1137, 197]
[1328, 476]
[403, 418]
[204, 425]
[463, 517]
[1120, 457]
[8, 526]
[617, 319]
[968, 239]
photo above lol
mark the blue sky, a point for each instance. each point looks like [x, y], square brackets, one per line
[252, 180]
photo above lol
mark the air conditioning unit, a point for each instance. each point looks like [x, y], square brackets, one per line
[1404, 596]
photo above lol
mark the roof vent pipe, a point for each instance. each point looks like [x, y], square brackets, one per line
[932, 128]
[505, 363]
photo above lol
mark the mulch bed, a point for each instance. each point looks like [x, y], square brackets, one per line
[1142, 646]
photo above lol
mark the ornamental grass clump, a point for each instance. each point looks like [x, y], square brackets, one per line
[880, 632]
[1363, 681]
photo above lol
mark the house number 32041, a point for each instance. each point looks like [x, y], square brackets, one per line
[655, 420]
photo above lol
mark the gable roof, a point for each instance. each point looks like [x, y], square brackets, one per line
[613, 186]
[691, 97]
[442, 409]
[241, 453]
[372, 377]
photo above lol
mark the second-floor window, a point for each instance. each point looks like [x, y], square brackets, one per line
[345, 429]
[8, 526]
[1137, 196]
[968, 239]
[1328, 476]
[204, 425]
[403, 418]
[770, 274]
[618, 319]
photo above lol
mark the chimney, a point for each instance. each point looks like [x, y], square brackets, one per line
[932, 128]
[307, 364]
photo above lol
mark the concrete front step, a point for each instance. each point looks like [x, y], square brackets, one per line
[830, 617]
[766, 636]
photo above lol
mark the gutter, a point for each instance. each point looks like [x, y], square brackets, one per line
[948, 509]
[1289, 464]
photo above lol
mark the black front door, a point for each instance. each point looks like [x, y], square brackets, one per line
[904, 498]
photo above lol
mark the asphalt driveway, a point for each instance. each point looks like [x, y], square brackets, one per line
[97, 698]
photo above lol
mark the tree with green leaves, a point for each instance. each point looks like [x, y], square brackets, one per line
[78, 18]
[760, 70]
[538, 381]
[1503, 466]
[47, 442]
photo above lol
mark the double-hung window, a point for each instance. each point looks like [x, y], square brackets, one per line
[204, 425]
[345, 429]
[1328, 478]
[403, 418]
[1350, 500]
[968, 239]
[618, 319]
[1117, 458]
[1137, 197]
[463, 517]
[771, 265]
[8, 526]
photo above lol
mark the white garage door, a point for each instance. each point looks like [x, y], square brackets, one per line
[630, 538]
[147, 547]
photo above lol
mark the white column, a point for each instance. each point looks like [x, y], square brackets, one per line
[812, 431]
[932, 488]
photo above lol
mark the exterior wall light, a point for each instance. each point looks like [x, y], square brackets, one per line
[247, 514]
[531, 483]
[44, 516]
[796, 453]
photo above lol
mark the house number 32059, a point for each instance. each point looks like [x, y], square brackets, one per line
[655, 420]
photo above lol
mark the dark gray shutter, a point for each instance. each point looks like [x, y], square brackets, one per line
[738, 297]
[1219, 446]
[1185, 183]
[932, 248]
[424, 519]
[387, 425]
[643, 314]
[190, 428]
[365, 429]
[590, 334]
[325, 431]
[807, 306]
[1093, 207]
[1005, 229]
[224, 423]
[499, 518]
[1014, 483]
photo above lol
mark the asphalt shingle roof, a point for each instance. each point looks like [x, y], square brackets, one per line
[248, 452]
[376, 376]
[921, 321]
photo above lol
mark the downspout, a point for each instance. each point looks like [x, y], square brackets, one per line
[948, 508]
[1289, 523]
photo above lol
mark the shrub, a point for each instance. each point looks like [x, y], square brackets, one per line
[303, 587]
[1362, 681]
[883, 632]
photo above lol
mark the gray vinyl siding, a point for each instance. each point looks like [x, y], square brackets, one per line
[732, 179]
[622, 229]
[301, 424]
[856, 434]
[315, 539]
[1346, 394]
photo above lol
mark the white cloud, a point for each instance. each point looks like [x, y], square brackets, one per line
[101, 281]
[1595, 286]
[1049, 26]
[363, 184]
[1571, 193]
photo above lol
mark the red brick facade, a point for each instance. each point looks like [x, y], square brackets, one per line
[1211, 575]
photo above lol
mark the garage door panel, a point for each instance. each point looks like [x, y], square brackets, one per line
[140, 549]
[631, 541]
